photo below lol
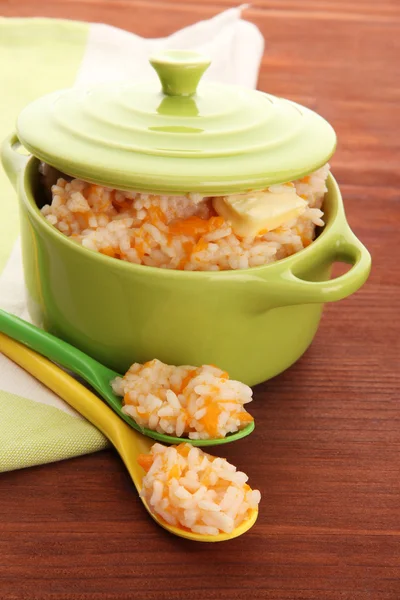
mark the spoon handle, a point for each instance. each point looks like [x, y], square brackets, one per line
[53, 348]
[128, 442]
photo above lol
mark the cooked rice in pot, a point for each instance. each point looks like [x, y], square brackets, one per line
[199, 403]
[189, 488]
[177, 232]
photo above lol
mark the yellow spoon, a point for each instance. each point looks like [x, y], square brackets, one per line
[128, 442]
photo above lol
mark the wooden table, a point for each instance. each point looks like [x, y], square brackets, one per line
[326, 451]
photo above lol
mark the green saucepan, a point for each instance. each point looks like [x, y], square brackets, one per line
[254, 323]
[178, 137]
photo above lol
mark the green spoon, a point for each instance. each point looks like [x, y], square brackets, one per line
[95, 374]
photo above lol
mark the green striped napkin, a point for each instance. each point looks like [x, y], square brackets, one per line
[38, 56]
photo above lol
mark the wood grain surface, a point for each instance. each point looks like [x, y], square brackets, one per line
[326, 450]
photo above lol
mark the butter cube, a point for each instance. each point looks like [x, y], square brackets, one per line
[256, 213]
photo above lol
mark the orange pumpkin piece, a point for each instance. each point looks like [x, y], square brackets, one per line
[215, 223]
[210, 419]
[186, 380]
[140, 249]
[201, 245]
[145, 461]
[183, 450]
[305, 241]
[156, 214]
[192, 227]
[175, 472]
[244, 417]
[108, 251]
[127, 399]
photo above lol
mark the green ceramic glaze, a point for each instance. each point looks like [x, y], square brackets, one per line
[179, 71]
[95, 374]
[211, 138]
[254, 323]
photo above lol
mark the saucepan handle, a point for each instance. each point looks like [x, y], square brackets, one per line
[343, 246]
[13, 161]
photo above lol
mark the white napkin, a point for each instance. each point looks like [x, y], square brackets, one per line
[235, 47]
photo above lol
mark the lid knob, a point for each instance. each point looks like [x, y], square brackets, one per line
[179, 71]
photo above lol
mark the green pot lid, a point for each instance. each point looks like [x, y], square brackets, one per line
[208, 138]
